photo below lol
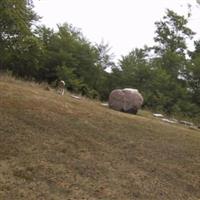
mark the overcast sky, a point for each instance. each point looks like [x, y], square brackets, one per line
[124, 24]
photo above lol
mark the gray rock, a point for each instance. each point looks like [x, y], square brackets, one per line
[126, 100]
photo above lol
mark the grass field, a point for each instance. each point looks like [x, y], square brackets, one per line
[60, 148]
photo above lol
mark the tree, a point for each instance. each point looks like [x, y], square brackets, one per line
[135, 71]
[140, 72]
[16, 19]
[69, 56]
[26, 59]
[193, 74]
[104, 56]
[171, 35]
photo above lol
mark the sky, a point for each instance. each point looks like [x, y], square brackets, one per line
[123, 24]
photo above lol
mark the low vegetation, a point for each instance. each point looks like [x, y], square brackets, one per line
[59, 147]
[63, 147]
[167, 73]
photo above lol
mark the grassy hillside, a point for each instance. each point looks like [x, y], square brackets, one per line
[60, 148]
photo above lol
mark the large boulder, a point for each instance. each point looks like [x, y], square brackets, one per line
[126, 100]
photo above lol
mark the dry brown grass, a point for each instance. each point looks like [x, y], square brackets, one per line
[59, 148]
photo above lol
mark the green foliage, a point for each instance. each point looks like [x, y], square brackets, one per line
[68, 75]
[163, 77]
[166, 77]
[16, 18]
[193, 74]
[172, 32]
[104, 57]
[26, 57]
[171, 35]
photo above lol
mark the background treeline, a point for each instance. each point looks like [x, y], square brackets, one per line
[167, 74]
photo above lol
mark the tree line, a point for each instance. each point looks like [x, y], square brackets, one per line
[167, 74]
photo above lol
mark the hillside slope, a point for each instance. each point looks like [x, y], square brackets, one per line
[60, 148]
